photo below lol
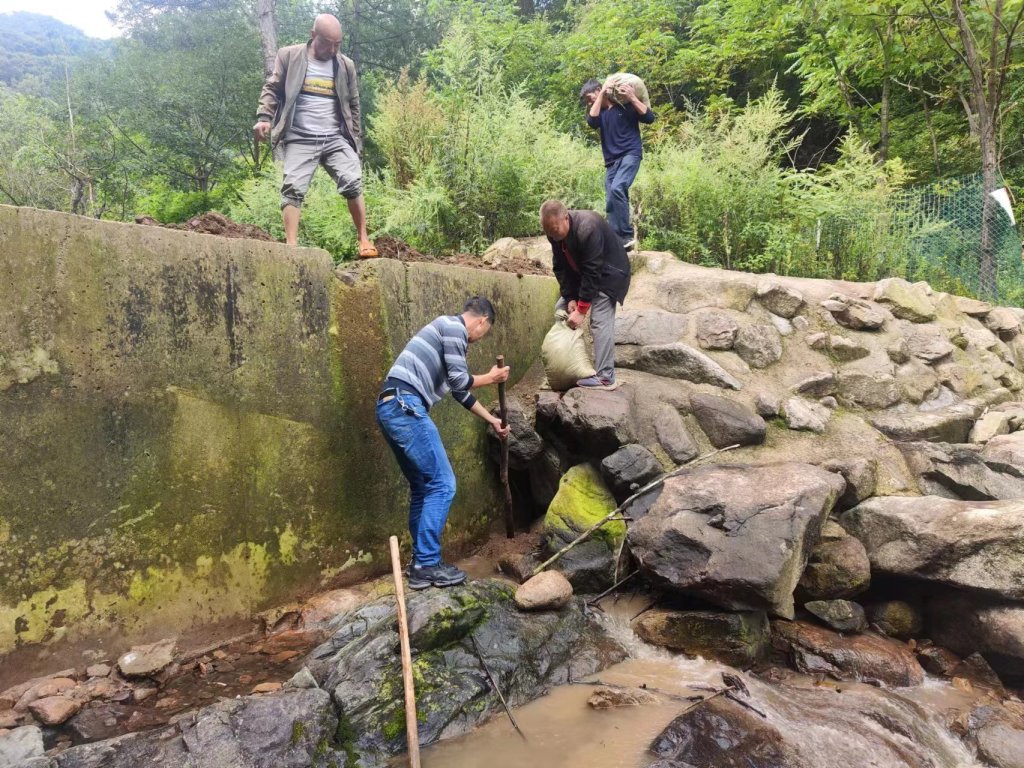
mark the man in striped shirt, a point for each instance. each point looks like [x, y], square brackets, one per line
[433, 363]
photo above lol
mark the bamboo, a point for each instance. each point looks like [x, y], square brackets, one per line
[411, 728]
[510, 525]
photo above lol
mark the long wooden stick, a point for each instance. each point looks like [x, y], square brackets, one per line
[510, 525]
[621, 508]
[411, 728]
[497, 690]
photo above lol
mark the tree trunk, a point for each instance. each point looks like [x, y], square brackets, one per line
[988, 268]
[268, 33]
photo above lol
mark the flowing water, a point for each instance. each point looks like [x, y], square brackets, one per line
[838, 725]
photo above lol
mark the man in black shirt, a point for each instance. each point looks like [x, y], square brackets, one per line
[593, 275]
[619, 125]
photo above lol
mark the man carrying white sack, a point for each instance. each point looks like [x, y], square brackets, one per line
[593, 275]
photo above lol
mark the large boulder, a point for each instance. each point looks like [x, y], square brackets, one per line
[758, 345]
[727, 422]
[930, 344]
[629, 469]
[961, 472]
[868, 390]
[840, 615]
[715, 330]
[738, 638]
[867, 657]
[779, 299]
[904, 300]
[948, 425]
[1005, 453]
[594, 421]
[855, 314]
[681, 361]
[967, 625]
[837, 568]
[965, 544]
[736, 536]
[649, 326]
[896, 618]
[525, 652]
[524, 444]
[20, 745]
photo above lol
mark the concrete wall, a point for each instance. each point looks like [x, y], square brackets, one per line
[188, 421]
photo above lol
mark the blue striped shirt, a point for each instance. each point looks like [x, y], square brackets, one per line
[434, 362]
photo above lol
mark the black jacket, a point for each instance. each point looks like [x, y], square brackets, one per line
[596, 261]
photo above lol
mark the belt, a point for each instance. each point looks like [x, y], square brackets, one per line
[387, 394]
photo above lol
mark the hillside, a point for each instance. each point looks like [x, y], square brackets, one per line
[32, 47]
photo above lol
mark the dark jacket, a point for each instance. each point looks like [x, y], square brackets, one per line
[596, 261]
[281, 91]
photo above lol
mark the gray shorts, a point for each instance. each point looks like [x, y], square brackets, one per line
[301, 157]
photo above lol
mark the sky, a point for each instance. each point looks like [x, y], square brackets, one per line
[87, 15]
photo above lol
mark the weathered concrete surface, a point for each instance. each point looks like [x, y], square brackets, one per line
[188, 421]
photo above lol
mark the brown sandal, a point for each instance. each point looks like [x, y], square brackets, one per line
[368, 250]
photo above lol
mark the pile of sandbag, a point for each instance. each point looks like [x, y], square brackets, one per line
[564, 355]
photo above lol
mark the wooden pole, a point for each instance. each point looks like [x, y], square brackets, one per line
[510, 525]
[411, 728]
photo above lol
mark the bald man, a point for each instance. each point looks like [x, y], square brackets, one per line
[309, 107]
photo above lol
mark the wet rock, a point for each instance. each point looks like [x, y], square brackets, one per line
[289, 640]
[519, 567]
[979, 673]
[949, 425]
[897, 618]
[673, 436]
[937, 660]
[526, 652]
[629, 469]
[54, 710]
[779, 299]
[649, 326]
[846, 350]
[866, 657]
[53, 686]
[596, 421]
[929, 344]
[1000, 741]
[861, 476]
[321, 609]
[837, 568]
[738, 639]
[904, 300]
[818, 384]
[727, 422]
[991, 424]
[723, 734]
[801, 414]
[266, 688]
[867, 390]
[856, 314]
[548, 590]
[545, 473]
[840, 615]
[613, 698]
[524, 444]
[966, 625]
[681, 361]
[98, 722]
[737, 536]
[1003, 322]
[146, 660]
[961, 472]
[716, 330]
[758, 345]
[98, 670]
[963, 544]
[582, 501]
[20, 745]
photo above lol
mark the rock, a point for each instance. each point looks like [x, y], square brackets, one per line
[524, 444]
[527, 652]
[737, 639]
[736, 536]
[803, 415]
[684, 294]
[52, 686]
[518, 567]
[595, 421]
[898, 351]
[673, 436]
[758, 345]
[10, 719]
[837, 568]
[967, 625]
[629, 469]
[929, 344]
[780, 300]
[949, 425]
[840, 615]
[146, 660]
[818, 341]
[266, 688]
[991, 424]
[916, 381]
[937, 660]
[545, 473]
[716, 330]
[20, 745]
[818, 384]
[1003, 322]
[867, 390]
[503, 249]
[680, 361]
[972, 307]
[727, 422]
[867, 657]
[998, 737]
[846, 350]
[321, 609]
[613, 698]
[962, 544]
[856, 314]
[97, 670]
[548, 590]
[782, 325]
[649, 326]
[800, 323]
[829, 402]
[904, 300]
[961, 472]
[861, 476]
[897, 618]
[54, 710]
[583, 500]
[767, 406]
[723, 734]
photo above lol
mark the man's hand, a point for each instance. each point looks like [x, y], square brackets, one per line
[261, 130]
[571, 306]
[575, 319]
[499, 430]
[627, 91]
[498, 375]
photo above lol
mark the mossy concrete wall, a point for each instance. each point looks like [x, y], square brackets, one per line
[188, 421]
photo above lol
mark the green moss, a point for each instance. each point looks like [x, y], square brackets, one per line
[581, 502]
[345, 738]
[298, 730]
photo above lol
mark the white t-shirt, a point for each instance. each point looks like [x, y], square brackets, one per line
[316, 111]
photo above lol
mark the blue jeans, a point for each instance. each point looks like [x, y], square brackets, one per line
[416, 443]
[618, 178]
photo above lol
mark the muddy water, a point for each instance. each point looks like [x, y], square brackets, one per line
[834, 725]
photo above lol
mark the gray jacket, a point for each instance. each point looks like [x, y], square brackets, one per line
[281, 91]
